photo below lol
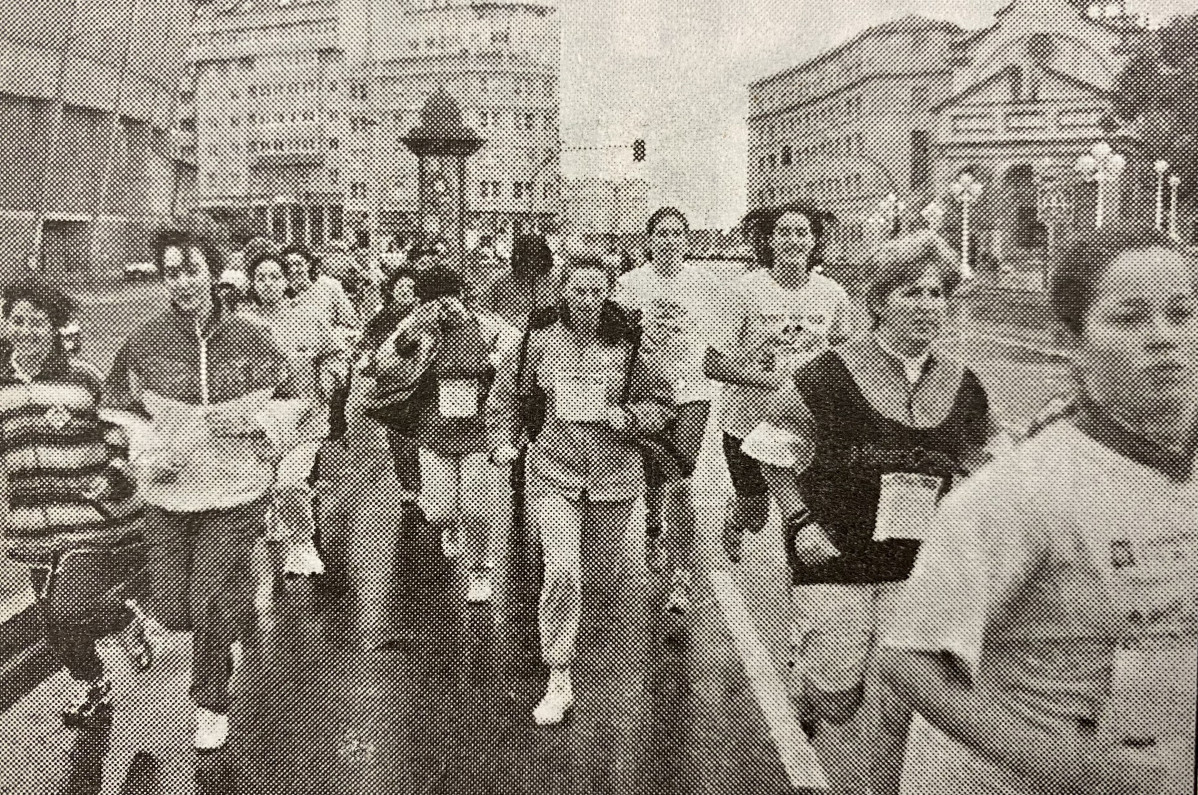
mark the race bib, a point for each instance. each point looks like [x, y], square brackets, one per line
[458, 397]
[580, 397]
[906, 505]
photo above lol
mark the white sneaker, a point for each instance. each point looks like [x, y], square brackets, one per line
[479, 590]
[559, 697]
[212, 730]
[451, 540]
[303, 560]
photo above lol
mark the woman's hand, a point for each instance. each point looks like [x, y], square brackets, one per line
[619, 419]
[503, 455]
[812, 547]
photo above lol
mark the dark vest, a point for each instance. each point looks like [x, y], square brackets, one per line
[855, 446]
[462, 354]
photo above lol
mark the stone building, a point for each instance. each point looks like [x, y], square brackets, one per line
[87, 157]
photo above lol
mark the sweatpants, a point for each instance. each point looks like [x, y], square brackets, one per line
[74, 642]
[405, 454]
[294, 519]
[469, 488]
[583, 549]
[201, 580]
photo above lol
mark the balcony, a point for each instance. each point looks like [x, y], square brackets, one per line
[266, 160]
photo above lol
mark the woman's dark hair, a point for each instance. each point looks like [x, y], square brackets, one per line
[759, 228]
[393, 279]
[298, 250]
[1084, 260]
[184, 241]
[438, 283]
[251, 271]
[531, 257]
[663, 213]
[57, 305]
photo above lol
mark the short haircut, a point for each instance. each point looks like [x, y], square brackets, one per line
[185, 241]
[759, 228]
[437, 283]
[251, 271]
[585, 262]
[661, 214]
[57, 305]
[394, 279]
[1084, 260]
[298, 250]
[903, 261]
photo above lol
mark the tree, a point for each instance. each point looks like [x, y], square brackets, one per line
[1154, 95]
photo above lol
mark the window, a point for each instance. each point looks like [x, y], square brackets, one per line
[517, 190]
[234, 121]
[484, 189]
[919, 98]
[786, 155]
[921, 158]
[773, 162]
[334, 176]
[334, 143]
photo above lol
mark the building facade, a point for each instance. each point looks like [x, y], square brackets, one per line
[852, 125]
[1014, 104]
[300, 106]
[269, 118]
[87, 159]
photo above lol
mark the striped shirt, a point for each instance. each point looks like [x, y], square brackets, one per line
[64, 467]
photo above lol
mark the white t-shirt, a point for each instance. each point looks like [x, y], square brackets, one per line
[1034, 576]
[780, 328]
[681, 318]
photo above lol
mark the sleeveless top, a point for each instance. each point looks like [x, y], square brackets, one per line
[855, 446]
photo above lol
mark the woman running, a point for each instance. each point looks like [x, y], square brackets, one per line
[857, 452]
[582, 474]
[323, 294]
[66, 489]
[782, 315]
[1048, 634]
[680, 306]
[317, 358]
[215, 387]
[459, 490]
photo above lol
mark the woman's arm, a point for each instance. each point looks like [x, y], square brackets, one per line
[500, 413]
[1061, 761]
[719, 366]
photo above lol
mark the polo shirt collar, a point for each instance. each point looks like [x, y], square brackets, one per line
[1116, 435]
[914, 368]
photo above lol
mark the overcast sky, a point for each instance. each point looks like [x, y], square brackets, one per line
[675, 72]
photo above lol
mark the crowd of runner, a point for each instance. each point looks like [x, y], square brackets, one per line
[971, 609]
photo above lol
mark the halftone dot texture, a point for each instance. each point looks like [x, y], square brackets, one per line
[376, 677]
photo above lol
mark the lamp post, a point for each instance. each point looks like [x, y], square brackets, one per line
[967, 190]
[1100, 164]
[1160, 167]
[892, 208]
[1174, 182]
[933, 214]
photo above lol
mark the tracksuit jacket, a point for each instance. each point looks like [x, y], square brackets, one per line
[206, 364]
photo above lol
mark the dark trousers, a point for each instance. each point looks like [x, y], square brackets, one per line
[72, 639]
[201, 580]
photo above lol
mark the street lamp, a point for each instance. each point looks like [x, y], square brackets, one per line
[1160, 167]
[1174, 182]
[967, 190]
[1100, 164]
[891, 208]
[933, 214]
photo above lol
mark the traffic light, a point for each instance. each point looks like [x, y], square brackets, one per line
[638, 150]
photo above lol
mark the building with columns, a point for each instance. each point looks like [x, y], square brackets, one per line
[87, 160]
[1014, 104]
[299, 107]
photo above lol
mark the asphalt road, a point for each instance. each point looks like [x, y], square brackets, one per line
[391, 683]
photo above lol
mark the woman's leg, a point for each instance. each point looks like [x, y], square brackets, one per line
[405, 454]
[559, 523]
[486, 513]
[749, 508]
[293, 510]
[221, 601]
[440, 497]
[604, 526]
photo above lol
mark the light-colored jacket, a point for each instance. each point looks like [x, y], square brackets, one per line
[574, 458]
